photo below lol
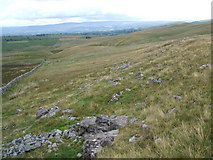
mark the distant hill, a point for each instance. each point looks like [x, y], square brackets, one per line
[83, 27]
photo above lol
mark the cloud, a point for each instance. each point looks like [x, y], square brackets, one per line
[27, 12]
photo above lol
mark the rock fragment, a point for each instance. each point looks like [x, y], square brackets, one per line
[204, 66]
[18, 111]
[177, 97]
[115, 97]
[123, 66]
[154, 81]
[132, 139]
[115, 81]
[139, 76]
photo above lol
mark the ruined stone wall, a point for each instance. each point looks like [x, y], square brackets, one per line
[8, 85]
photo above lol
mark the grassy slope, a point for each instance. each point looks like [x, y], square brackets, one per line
[184, 133]
[22, 53]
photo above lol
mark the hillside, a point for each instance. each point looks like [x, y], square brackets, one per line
[159, 78]
[83, 27]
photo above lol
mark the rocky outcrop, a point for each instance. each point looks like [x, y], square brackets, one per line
[44, 112]
[97, 132]
[8, 85]
[29, 142]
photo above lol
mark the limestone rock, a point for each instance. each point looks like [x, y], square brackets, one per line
[67, 111]
[139, 76]
[204, 66]
[132, 139]
[18, 111]
[41, 112]
[115, 97]
[154, 81]
[123, 66]
[177, 97]
[115, 81]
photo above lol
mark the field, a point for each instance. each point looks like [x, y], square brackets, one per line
[173, 53]
[22, 53]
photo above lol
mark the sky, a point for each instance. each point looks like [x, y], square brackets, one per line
[41, 12]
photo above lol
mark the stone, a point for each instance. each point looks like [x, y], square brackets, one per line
[18, 111]
[123, 66]
[91, 148]
[31, 142]
[54, 145]
[5, 128]
[127, 89]
[144, 126]
[44, 112]
[132, 139]
[69, 117]
[115, 81]
[43, 99]
[88, 121]
[52, 111]
[44, 135]
[41, 112]
[97, 132]
[143, 121]
[133, 120]
[204, 66]
[56, 133]
[171, 111]
[139, 76]
[140, 104]
[67, 111]
[154, 81]
[177, 97]
[79, 155]
[27, 136]
[158, 140]
[142, 86]
[48, 142]
[115, 97]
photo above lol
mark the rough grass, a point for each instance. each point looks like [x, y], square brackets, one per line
[185, 133]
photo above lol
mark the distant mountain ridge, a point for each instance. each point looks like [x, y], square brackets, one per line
[83, 27]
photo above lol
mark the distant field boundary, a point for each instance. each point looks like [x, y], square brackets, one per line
[8, 85]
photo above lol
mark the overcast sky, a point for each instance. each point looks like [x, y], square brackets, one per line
[39, 12]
